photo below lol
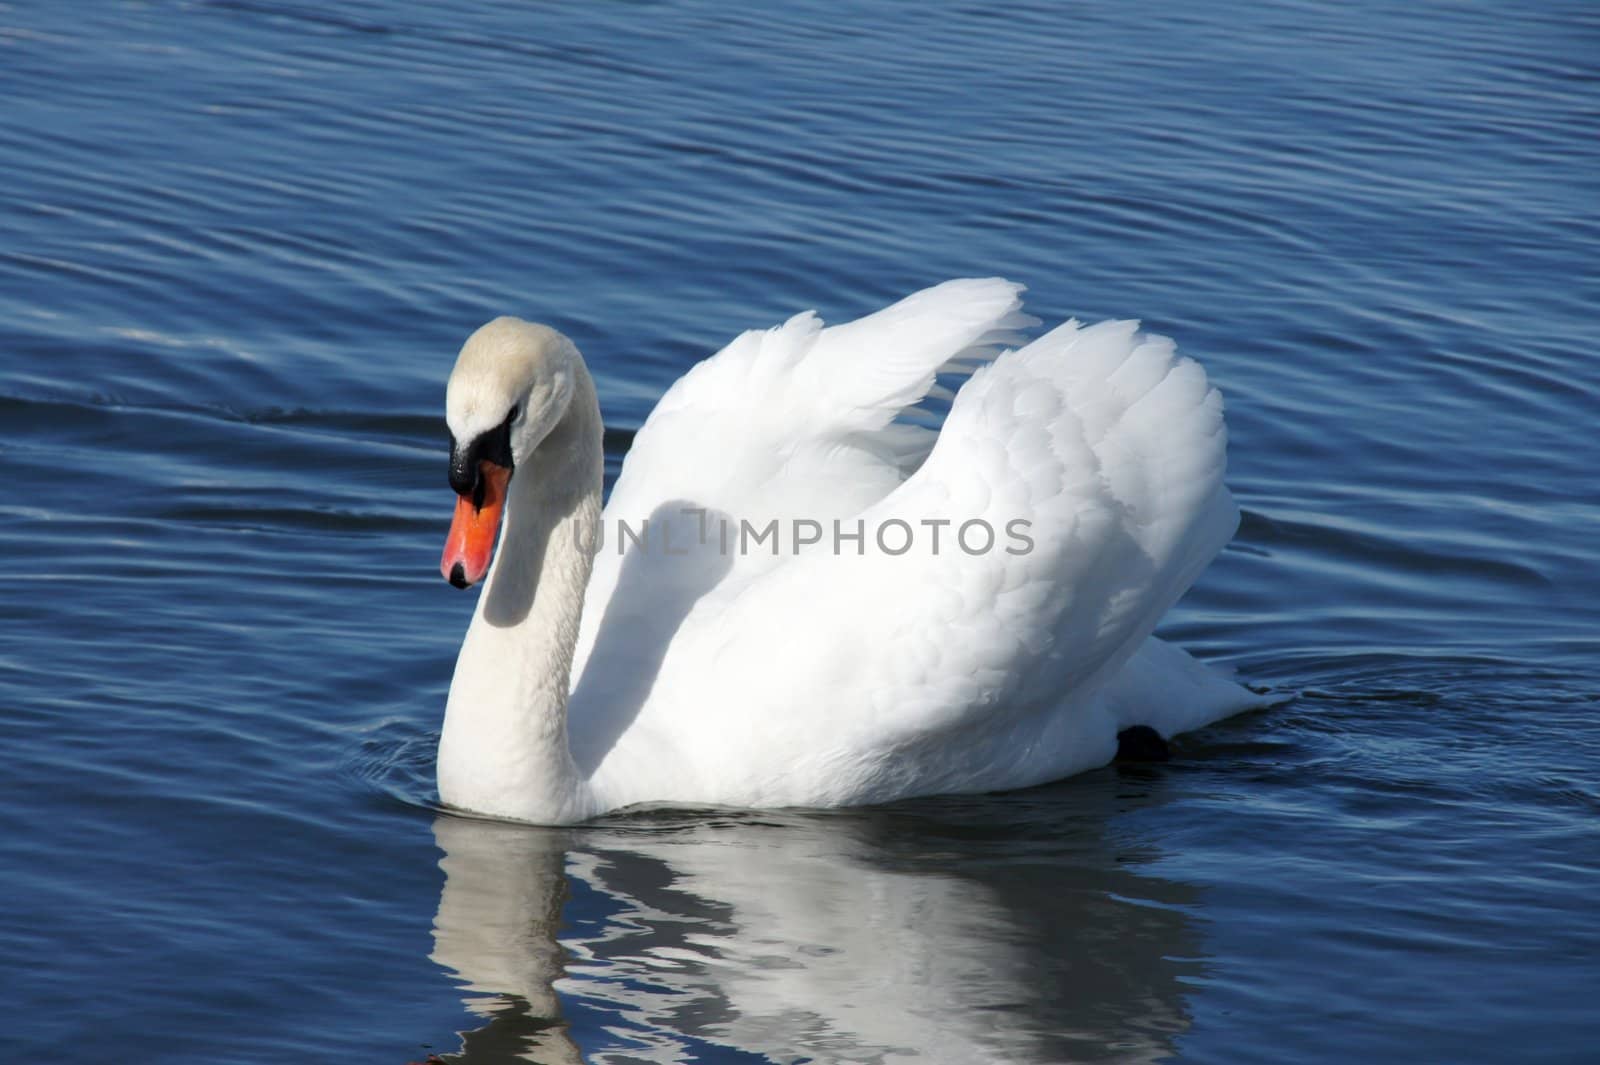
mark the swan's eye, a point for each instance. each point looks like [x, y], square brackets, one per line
[514, 411]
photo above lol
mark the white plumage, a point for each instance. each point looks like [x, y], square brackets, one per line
[1086, 467]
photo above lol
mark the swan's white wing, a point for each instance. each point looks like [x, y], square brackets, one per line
[795, 422]
[852, 677]
[799, 416]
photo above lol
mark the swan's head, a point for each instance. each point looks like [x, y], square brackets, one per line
[510, 386]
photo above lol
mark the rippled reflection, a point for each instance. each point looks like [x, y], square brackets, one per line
[912, 934]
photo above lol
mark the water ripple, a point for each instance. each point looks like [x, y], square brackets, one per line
[245, 240]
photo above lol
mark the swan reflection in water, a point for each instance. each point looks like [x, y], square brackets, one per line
[987, 929]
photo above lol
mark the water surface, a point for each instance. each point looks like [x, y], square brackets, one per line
[242, 242]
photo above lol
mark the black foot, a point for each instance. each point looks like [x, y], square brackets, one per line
[1141, 743]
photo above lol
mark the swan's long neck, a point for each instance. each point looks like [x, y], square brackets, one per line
[504, 747]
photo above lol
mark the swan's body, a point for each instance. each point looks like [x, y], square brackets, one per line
[688, 658]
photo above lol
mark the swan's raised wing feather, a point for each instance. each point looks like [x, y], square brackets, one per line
[1109, 449]
[789, 411]
[795, 422]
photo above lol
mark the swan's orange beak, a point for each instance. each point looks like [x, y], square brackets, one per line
[469, 547]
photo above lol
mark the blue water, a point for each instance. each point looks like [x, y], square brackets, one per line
[240, 244]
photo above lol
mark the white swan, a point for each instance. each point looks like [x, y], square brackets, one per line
[711, 653]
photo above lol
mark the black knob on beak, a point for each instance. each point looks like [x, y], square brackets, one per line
[463, 467]
[493, 446]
